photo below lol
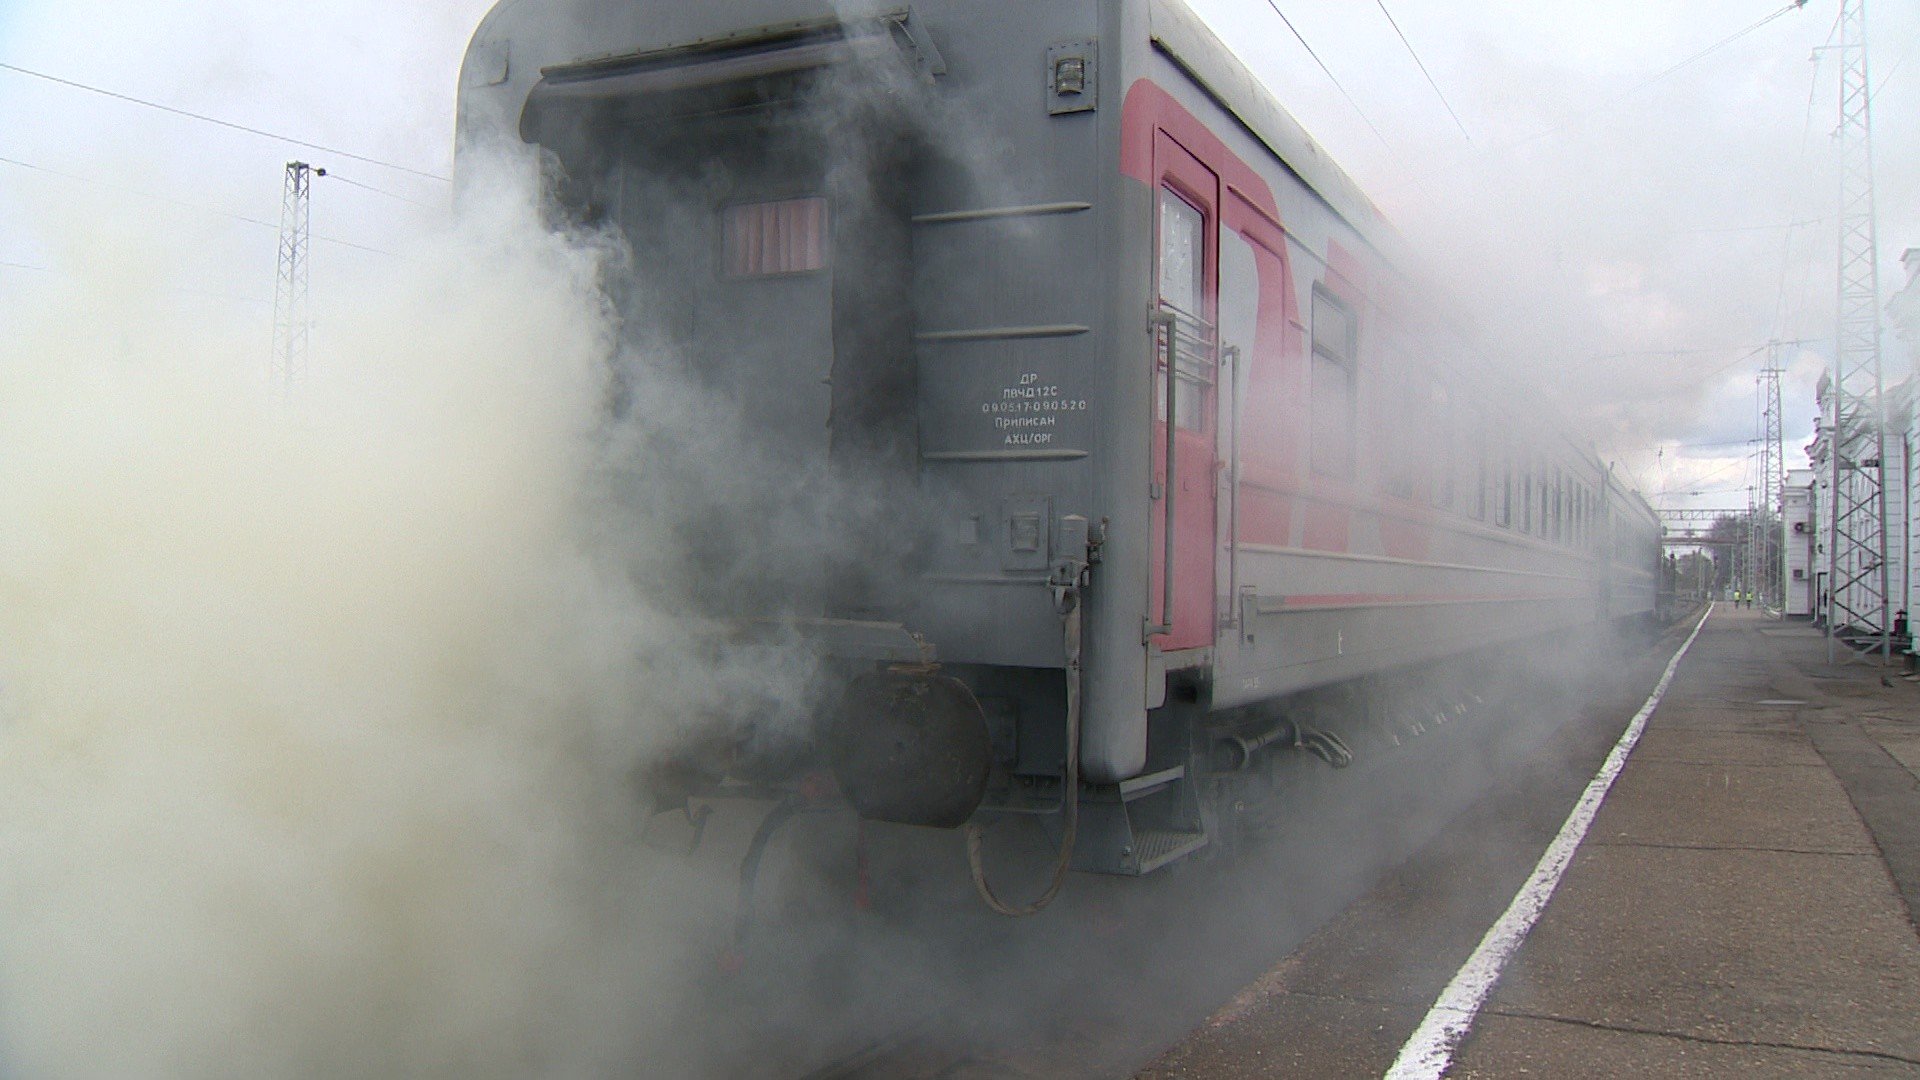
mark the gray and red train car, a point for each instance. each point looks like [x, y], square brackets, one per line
[1164, 438]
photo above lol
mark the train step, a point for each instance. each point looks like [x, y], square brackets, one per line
[1140, 825]
[1155, 848]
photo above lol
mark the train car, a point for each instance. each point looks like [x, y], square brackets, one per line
[1164, 437]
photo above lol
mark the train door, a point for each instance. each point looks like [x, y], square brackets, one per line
[725, 247]
[1185, 422]
[771, 268]
[1240, 290]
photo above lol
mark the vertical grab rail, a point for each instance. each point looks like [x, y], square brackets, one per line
[1230, 364]
[1166, 320]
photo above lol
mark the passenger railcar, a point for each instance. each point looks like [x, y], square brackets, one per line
[1173, 438]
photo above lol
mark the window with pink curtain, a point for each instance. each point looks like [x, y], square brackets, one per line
[768, 238]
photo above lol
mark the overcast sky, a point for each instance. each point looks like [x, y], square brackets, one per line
[1637, 244]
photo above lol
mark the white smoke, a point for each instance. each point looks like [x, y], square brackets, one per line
[320, 716]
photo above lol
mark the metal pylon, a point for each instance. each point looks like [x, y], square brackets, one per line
[292, 326]
[1772, 482]
[1857, 596]
[1750, 577]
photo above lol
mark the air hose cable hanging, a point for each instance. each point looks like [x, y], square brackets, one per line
[1068, 580]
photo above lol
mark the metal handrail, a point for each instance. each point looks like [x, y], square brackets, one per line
[1170, 322]
[1230, 377]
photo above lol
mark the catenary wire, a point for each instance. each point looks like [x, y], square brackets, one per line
[1786, 241]
[1801, 224]
[350, 182]
[1401, 34]
[204, 118]
[168, 199]
[1698, 445]
[1795, 5]
[1736, 362]
[1754, 350]
[1331, 77]
[51, 272]
[1668, 72]
[1558, 129]
[1888, 75]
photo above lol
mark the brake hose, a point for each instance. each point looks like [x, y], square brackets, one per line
[1070, 796]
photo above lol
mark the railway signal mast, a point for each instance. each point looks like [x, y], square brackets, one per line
[292, 326]
[1857, 593]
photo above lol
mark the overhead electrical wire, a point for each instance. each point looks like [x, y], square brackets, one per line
[1834, 30]
[1675, 69]
[1795, 5]
[1691, 351]
[79, 179]
[1753, 350]
[1401, 34]
[1633, 474]
[1667, 488]
[138, 193]
[334, 175]
[229, 124]
[1736, 362]
[50, 271]
[1699, 445]
[1547, 133]
[1888, 75]
[1331, 77]
[1760, 228]
[1786, 241]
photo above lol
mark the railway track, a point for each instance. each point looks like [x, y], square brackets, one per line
[1126, 968]
[918, 1053]
[900, 1054]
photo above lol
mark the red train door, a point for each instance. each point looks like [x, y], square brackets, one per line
[1186, 358]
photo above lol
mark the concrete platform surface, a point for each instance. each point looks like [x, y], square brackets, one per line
[1743, 905]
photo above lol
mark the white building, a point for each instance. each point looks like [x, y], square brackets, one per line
[1807, 500]
[1797, 564]
[1904, 496]
[1905, 305]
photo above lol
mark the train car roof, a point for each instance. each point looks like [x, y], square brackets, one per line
[1186, 39]
[1192, 45]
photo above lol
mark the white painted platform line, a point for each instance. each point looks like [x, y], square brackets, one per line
[1428, 1054]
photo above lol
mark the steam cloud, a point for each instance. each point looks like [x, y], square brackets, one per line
[319, 720]
[319, 717]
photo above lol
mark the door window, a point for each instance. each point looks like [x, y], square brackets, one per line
[1183, 295]
[1182, 256]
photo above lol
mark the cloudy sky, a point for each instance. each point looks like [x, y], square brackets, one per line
[1633, 243]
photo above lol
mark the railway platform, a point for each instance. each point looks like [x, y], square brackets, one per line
[1742, 903]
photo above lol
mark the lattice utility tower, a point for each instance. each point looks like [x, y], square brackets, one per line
[1857, 592]
[1773, 477]
[292, 326]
